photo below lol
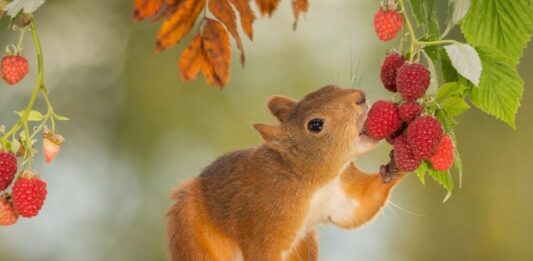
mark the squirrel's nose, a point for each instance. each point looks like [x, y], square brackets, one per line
[361, 99]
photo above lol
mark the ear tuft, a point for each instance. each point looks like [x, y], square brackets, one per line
[268, 132]
[281, 106]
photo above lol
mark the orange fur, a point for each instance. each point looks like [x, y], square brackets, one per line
[264, 203]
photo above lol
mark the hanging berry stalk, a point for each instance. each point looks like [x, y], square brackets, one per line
[24, 193]
[425, 140]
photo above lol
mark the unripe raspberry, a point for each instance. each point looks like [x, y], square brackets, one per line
[8, 216]
[387, 21]
[51, 146]
[423, 136]
[443, 158]
[412, 81]
[389, 68]
[13, 68]
[382, 120]
[29, 194]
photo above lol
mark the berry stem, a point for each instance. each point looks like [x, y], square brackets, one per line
[50, 114]
[33, 97]
[444, 41]
[19, 43]
[410, 30]
[414, 42]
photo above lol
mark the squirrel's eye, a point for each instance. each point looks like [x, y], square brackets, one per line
[315, 125]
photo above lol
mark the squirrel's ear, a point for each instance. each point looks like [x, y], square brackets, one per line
[280, 106]
[269, 133]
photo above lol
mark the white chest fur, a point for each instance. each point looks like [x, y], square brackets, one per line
[329, 203]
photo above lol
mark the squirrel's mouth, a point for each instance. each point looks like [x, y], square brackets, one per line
[361, 122]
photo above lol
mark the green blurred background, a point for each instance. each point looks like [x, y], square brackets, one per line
[136, 131]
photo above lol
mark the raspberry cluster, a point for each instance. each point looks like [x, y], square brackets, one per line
[416, 136]
[28, 192]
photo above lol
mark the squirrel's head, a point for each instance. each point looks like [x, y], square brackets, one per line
[325, 125]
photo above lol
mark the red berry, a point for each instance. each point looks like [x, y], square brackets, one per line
[387, 24]
[412, 81]
[389, 68]
[403, 155]
[409, 111]
[13, 68]
[443, 158]
[8, 216]
[382, 120]
[8, 169]
[423, 136]
[29, 193]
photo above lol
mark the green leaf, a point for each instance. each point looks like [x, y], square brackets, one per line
[448, 72]
[503, 24]
[500, 87]
[456, 12]
[459, 9]
[33, 116]
[60, 118]
[454, 105]
[450, 89]
[443, 178]
[425, 13]
[421, 172]
[465, 60]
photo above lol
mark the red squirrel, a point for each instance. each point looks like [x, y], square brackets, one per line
[264, 203]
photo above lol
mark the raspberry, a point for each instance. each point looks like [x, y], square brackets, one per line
[403, 155]
[389, 68]
[13, 68]
[51, 146]
[397, 133]
[412, 81]
[423, 136]
[443, 158]
[8, 216]
[29, 193]
[382, 120]
[409, 111]
[8, 169]
[387, 22]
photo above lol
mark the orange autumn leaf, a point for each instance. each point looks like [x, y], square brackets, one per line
[146, 8]
[223, 11]
[179, 23]
[246, 14]
[217, 49]
[299, 7]
[192, 59]
[267, 7]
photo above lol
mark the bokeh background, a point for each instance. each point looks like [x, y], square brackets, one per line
[136, 131]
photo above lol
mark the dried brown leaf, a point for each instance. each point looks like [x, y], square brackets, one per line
[144, 9]
[267, 7]
[223, 11]
[247, 16]
[192, 59]
[299, 7]
[217, 49]
[179, 23]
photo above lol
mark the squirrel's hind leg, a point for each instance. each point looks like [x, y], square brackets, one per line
[191, 236]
